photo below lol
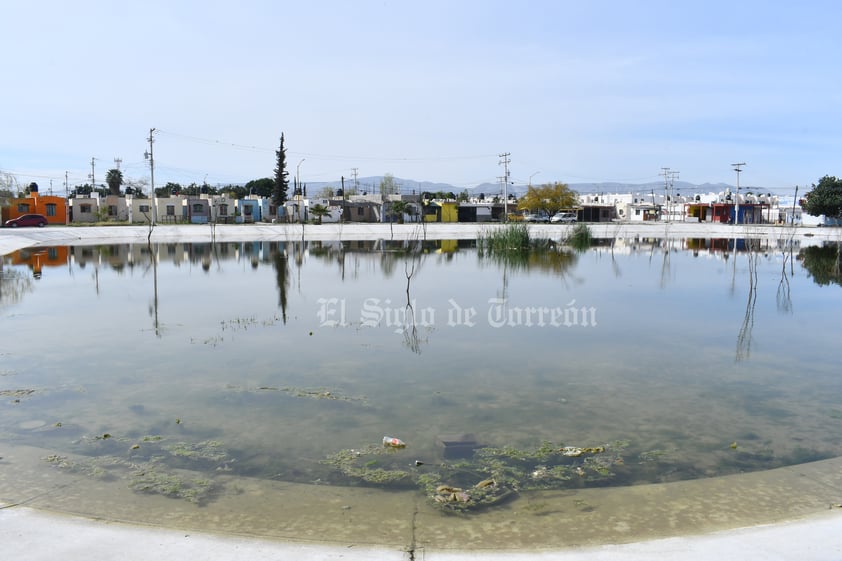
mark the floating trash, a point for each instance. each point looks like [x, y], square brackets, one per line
[392, 442]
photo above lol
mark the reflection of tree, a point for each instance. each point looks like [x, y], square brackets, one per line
[13, 285]
[824, 263]
[543, 256]
[784, 295]
[281, 264]
[744, 335]
[412, 263]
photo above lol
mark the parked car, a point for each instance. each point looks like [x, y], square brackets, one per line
[564, 217]
[536, 217]
[27, 220]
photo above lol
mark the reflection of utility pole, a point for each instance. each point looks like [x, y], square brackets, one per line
[505, 161]
[737, 200]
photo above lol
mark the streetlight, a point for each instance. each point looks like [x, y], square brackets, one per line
[737, 207]
[531, 176]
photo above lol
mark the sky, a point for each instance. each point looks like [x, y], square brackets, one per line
[573, 91]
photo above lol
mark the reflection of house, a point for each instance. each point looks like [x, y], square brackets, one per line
[36, 258]
[54, 208]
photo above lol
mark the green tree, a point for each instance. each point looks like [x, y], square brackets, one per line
[114, 179]
[238, 191]
[319, 211]
[281, 187]
[825, 198]
[262, 187]
[399, 208]
[550, 197]
[388, 185]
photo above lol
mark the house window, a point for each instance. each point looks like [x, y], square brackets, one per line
[223, 210]
[112, 210]
[170, 210]
[198, 209]
[51, 209]
[23, 207]
[637, 212]
[85, 209]
[360, 211]
[247, 210]
[143, 208]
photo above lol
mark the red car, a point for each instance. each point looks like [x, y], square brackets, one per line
[27, 220]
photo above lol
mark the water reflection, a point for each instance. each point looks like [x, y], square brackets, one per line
[823, 263]
[268, 388]
[281, 264]
[744, 336]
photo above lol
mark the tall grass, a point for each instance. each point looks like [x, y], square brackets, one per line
[511, 237]
[580, 237]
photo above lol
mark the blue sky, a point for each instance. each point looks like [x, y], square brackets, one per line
[432, 91]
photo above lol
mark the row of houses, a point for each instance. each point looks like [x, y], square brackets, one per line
[724, 207]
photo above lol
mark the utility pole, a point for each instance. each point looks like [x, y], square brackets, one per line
[666, 173]
[505, 161]
[737, 168]
[356, 184]
[149, 155]
[673, 177]
[66, 201]
[795, 200]
[93, 181]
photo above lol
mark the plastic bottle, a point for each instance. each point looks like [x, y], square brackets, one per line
[392, 442]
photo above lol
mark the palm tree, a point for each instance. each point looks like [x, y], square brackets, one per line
[319, 211]
[399, 208]
[114, 178]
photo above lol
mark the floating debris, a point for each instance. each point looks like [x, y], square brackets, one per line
[312, 393]
[16, 394]
[484, 494]
[392, 442]
[489, 477]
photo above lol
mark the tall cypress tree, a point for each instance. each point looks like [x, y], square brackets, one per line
[279, 193]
